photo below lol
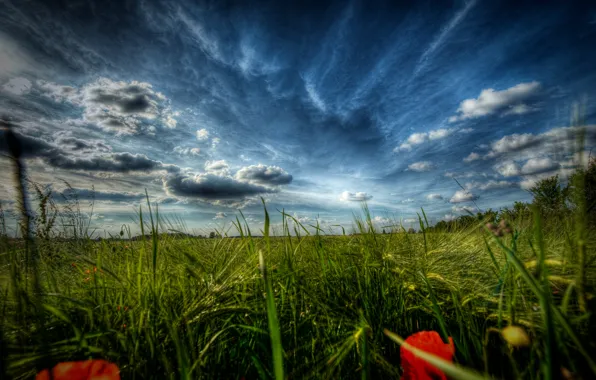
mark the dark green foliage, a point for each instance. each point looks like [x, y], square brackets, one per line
[582, 190]
[550, 196]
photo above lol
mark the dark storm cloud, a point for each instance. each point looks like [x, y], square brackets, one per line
[110, 196]
[114, 162]
[126, 98]
[92, 160]
[30, 146]
[212, 187]
[217, 184]
[80, 145]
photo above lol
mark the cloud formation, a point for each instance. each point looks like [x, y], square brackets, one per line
[187, 151]
[463, 196]
[202, 134]
[360, 196]
[219, 167]
[211, 186]
[261, 174]
[17, 86]
[490, 185]
[472, 157]
[102, 196]
[123, 108]
[422, 137]
[75, 154]
[422, 166]
[464, 209]
[220, 215]
[216, 184]
[509, 101]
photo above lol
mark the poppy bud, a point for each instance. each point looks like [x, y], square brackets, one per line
[515, 336]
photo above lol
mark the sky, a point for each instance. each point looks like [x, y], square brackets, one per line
[313, 106]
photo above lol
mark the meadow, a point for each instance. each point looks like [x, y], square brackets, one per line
[301, 304]
[514, 290]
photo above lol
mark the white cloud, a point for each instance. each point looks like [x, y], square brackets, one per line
[170, 122]
[261, 174]
[381, 220]
[508, 169]
[464, 209]
[464, 175]
[513, 143]
[433, 197]
[549, 153]
[59, 93]
[219, 167]
[187, 151]
[519, 109]
[422, 166]
[422, 137]
[439, 134]
[408, 200]
[405, 147]
[314, 96]
[490, 185]
[417, 138]
[472, 157]
[539, 165]
[220, 215]
[17, 86]
[202, 134]
[449, 217]
[511, 100]
[301, 219]
[360, 196]
[463, 196]
[410, 221]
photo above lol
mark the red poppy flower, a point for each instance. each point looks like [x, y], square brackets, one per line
[417, 369]
[82, 370]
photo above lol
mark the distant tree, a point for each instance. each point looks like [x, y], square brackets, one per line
[582, 190]
[411, 230]
[466, 221]
[384, 231]
[441, 226]
[549, 195]
[520, 211]
[211, 235]
[489, 215]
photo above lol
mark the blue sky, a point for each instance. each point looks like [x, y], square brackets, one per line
[314, 106]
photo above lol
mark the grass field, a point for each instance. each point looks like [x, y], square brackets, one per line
[183, 308]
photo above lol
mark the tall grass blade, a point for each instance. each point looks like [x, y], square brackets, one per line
[274, 328]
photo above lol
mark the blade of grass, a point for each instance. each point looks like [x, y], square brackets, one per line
[274, 329]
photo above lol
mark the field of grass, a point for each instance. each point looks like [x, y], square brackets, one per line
[316, 306]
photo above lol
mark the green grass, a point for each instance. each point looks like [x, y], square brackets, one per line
[308, 306]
